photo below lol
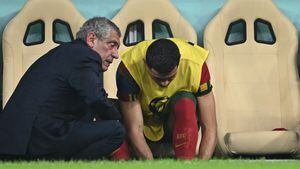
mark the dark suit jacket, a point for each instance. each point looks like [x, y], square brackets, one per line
[63, 86]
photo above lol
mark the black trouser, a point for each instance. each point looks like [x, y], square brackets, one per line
[87, 140]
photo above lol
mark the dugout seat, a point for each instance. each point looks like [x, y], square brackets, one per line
[38, 27]
[141, 20]
[252, 61]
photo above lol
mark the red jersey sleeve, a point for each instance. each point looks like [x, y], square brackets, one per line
[205, 86]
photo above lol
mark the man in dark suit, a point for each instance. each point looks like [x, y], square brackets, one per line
[50, 114]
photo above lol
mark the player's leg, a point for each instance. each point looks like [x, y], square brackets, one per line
[183, 121]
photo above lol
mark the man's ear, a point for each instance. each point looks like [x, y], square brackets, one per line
[90, 39]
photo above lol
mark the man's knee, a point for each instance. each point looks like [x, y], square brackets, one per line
[184, 105]
[118, 130]
[181, 95]
[185, 131]
[116, 136]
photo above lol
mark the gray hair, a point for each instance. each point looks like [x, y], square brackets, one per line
[101, 26]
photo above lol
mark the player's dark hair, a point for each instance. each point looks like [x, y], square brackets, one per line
[162, 55]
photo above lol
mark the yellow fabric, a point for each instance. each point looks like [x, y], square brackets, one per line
[187, 79]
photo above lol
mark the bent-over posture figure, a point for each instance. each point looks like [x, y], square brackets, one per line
[164, 88]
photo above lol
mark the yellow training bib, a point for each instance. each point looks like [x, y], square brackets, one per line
[151, 94]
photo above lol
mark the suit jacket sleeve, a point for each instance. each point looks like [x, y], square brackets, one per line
[86, 77]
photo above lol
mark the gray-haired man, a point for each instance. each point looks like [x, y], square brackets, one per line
[50, 114]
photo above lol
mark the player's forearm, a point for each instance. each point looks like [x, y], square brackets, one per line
[208, 126]
[140, 146]
[208, 144]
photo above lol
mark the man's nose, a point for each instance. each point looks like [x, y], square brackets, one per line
[115, 54]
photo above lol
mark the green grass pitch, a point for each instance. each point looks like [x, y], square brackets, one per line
[155, 164]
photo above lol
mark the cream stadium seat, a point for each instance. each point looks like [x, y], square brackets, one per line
[38, 27]
[252, 61]
[141, 20]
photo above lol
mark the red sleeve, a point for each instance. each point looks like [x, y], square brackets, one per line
[205, 87]
[205, 76]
